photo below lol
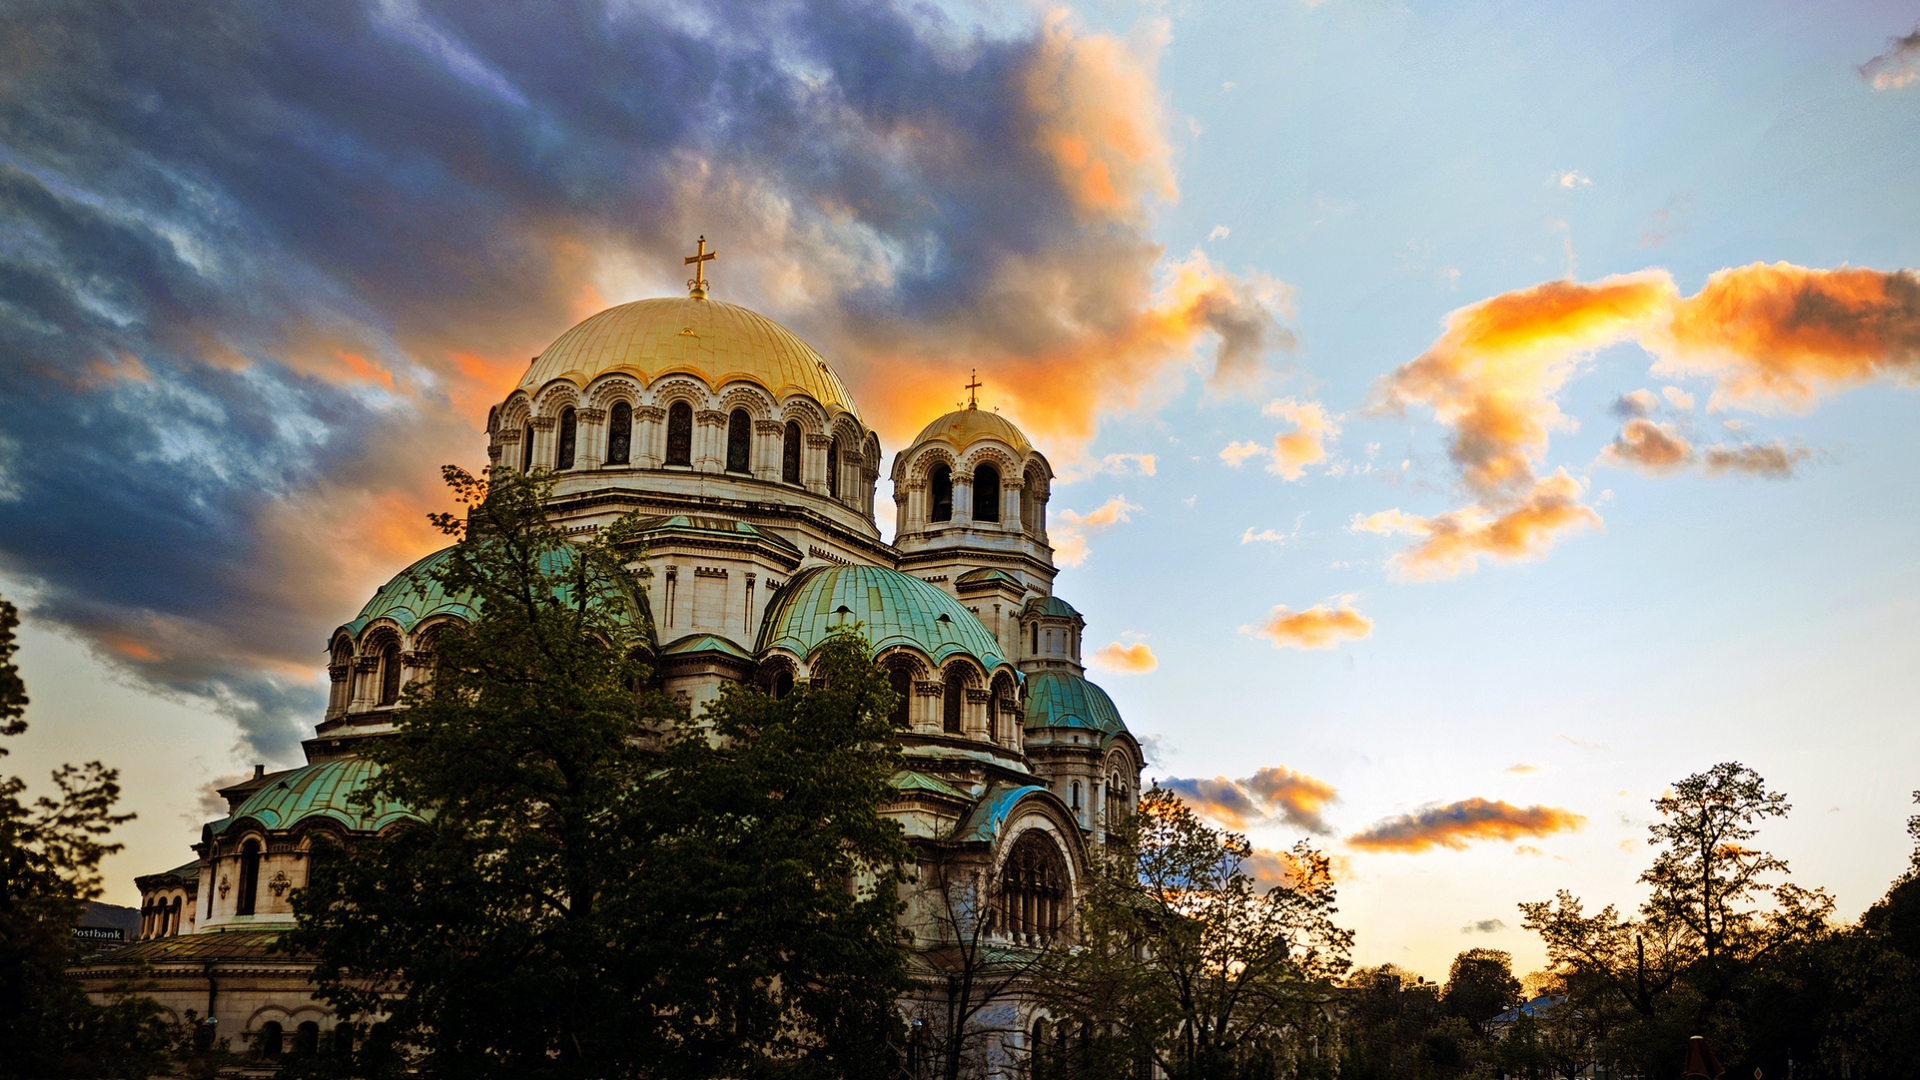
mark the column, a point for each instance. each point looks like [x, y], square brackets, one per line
[543, 442]
[813, 464]
[963, 499]
[649, 436]
[768, 441]
[709, 440]
[590, 438]
[1009, 505]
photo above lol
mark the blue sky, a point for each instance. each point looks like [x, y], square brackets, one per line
[259, 280]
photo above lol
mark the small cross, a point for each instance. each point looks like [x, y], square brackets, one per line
[697, 285]
[973, 388]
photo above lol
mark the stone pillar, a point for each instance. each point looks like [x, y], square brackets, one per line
[709, 440]
[649, 436]
[963, 499]
[813, 463]
[902, 512]
[543, 442]
[590, 438]
[769, 439]
[1010, 505]
[366, 690]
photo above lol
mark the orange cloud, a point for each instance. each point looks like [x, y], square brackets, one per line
[1897, 67]
[1070, 531]
[1784, 334]
[1318, 627]
[1652, 448]
[1274, 792]
[1775, 460]
[1302, 868]
[1457, 824]
[1096, 116]
[1453, 543]
[1293, 451]
[1135, 659]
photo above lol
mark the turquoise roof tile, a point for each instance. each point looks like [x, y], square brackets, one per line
[413, 597]
[1050, 605]
[890, 607]
[1059, 699]
[326, 789]
[990, 816]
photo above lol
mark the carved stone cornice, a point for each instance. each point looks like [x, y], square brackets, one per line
[769, 427]
[366, 663]
[929, 689]
[495, 450]
[542, 423]
[710, 418]
[593, 416]
[511, 435]
[819, 442]
[978, 697]
[649, 412]
[338, 672]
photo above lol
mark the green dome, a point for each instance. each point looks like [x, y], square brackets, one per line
[891, 608]
[1058, 699]
[414, 596]
[1050, 605]
[327, 790]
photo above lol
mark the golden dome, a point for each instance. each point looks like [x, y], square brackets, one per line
[715, 341]
[965, 427]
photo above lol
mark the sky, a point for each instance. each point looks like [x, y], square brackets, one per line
[1471, 418]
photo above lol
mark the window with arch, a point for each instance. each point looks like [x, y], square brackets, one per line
[986, 493]
[833, 467]
[940, 491]
[790, 454]
[340, 672]
[249, 878]
[271, 1040]
[955, 697]
[526, 449]
[620, 434]
[680, 434]
[1076, 797]
[173, 917]
[306, 1038]
[1033, 888]
[569, 432]
[1035, 651]
[739, 441]
[900, 677]
[390, 672]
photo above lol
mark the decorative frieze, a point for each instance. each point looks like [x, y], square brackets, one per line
[710, 571]
[710, 418]
[769, 427]
[819, 442]
[929, 689]
[649, 412]
[542, 423]
[592, 416]
[978, 697]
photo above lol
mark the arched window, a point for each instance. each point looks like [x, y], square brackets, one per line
[1076, 797]
[526, 449]
[569, 430]
[833, 467]
[680, 434]
[790, 454]
[306, 1038]
[620, 434]
[782, 684]
[1032, 888]
[901, 679]
[249, 877]
[173, 917]
[940, 487]
[999, 699]
[739, 442]
[955, 698]
[986, 493]
[271, 1040]
[340, 672]
[390, 673]
[1036, 640]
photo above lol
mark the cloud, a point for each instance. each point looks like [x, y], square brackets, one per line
[1484, 926]
[269, 266]
[1569, 178]
[1070, 533]
[1639, 403]
[1521, 768]
[1652, 448]
[1236, 454]
[1453, 543]
[1317, 627]
[1294, 450]
[1774, 461]
[1264, 536]
[1219, 232]
[1897, 67]
[1273, 793]
[1677, 398]
[1128, 464]
[1457, 824]
[1134, 659]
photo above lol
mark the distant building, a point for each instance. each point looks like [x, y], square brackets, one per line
[757, 475]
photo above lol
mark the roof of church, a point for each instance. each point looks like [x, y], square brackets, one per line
[1060, 699]
[986, 575]
[890, 607]
[1051, 605]
[964, 427]
[248, 944]
[413, 596]
[705, 525]
[990, 814]
[712, 340]
[703, 643]
[327, 789]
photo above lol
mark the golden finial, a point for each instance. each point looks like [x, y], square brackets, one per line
[697, 284]
[973, 390]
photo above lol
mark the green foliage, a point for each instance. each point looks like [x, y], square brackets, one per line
[50, 852]
[1190, 962]
[602, 886]
[1481, 985]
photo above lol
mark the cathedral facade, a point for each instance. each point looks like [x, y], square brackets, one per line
[756, 477]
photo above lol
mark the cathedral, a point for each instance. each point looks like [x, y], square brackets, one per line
[755, 475]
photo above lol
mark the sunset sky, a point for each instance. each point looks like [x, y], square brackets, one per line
[1471, 417]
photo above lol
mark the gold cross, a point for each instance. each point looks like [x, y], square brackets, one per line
[973, 395]
[697, 285]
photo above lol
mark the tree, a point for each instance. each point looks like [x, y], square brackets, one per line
[1684, 964]
[1481, 986]
[50, 852]
[598, 885]
[1189, 963]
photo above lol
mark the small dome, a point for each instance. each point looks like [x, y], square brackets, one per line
[716, 342]
[965, 427]
[1051, 606]
[1059, 699]
[328, 790]
[414, 596]
[892, 608]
